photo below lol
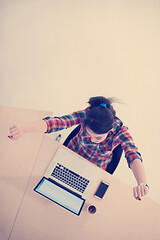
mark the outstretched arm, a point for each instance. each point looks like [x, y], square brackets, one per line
[139, 173]
[48, 124]
[17, 131]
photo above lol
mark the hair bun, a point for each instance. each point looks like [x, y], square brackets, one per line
[100, 101]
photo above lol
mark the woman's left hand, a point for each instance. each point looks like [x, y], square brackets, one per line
[140, 191]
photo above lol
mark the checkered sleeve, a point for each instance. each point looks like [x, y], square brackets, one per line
[59, 123]
[128, 145]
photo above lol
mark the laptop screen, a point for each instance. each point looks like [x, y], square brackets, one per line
[60, 195]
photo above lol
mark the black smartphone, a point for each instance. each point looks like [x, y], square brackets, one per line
[101, 190]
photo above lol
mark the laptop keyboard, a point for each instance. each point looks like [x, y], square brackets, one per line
[70, 178]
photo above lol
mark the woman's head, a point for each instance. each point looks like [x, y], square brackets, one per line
[100, 115]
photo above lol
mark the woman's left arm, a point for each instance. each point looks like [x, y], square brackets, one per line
[138, 170]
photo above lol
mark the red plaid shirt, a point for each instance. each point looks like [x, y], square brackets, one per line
[97, 153]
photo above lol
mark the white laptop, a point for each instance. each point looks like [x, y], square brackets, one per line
[68, 180]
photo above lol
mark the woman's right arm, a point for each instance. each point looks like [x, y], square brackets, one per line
[48, 124]
[16, 131]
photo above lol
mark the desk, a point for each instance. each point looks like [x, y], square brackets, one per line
[27, 215]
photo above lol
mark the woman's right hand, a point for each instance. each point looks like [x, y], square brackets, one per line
[15, 132]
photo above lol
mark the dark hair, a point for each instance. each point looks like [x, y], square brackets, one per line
[100, 118]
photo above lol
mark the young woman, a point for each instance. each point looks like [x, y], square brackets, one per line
[100, 132]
